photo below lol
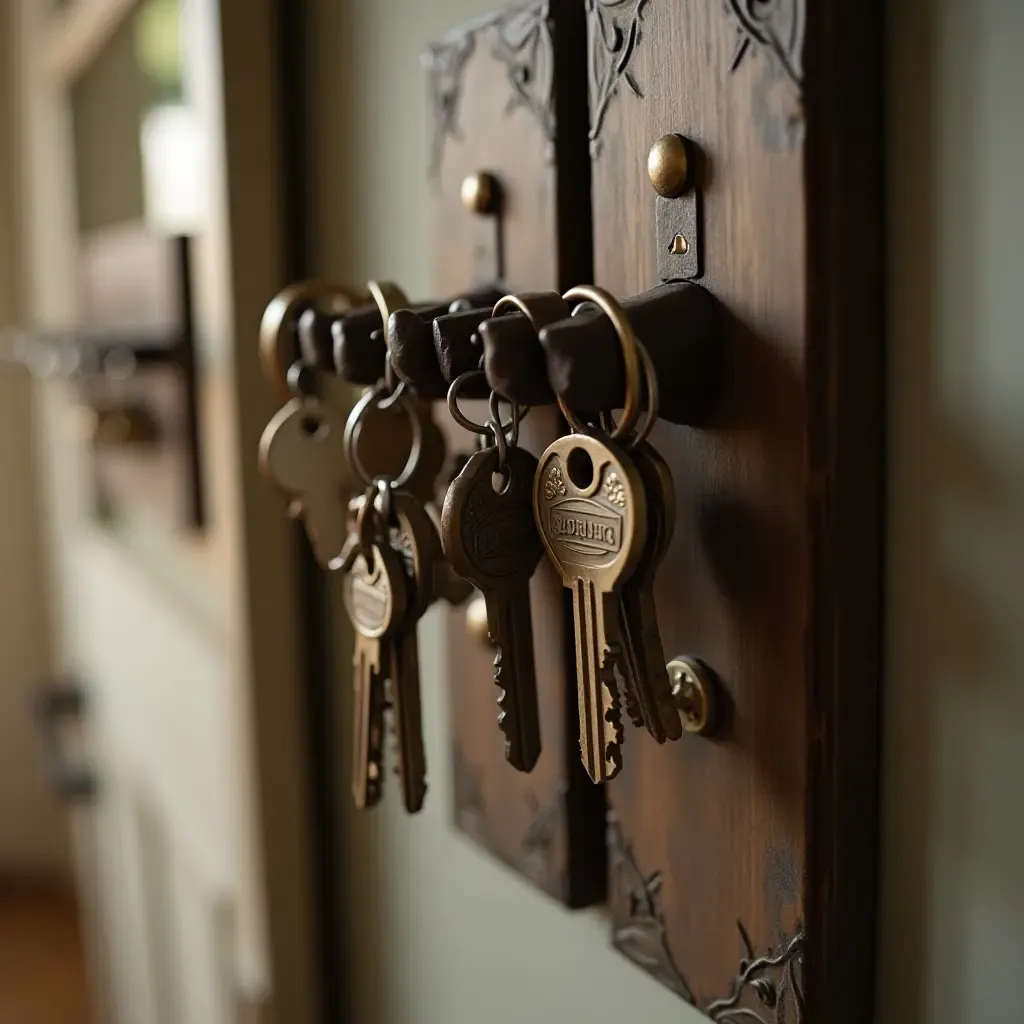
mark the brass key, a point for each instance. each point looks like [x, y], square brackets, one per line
[413, 539]
[303, 450]
[491, 539]
[591, 510]
[375, 599]
[648, 688]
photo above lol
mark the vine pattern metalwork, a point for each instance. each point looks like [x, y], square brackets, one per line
[776, 26]
[640, 933]
[773, 983]
[613, 36]
[521, 39]
[776, 29]
[539, 841]
[470, 811]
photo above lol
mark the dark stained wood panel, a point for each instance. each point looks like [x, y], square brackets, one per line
[759, 842]
[509, 97]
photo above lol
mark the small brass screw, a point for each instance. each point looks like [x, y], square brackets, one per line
[693, 689]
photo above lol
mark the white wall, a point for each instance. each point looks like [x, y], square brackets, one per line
[953, 919]
[952, 923]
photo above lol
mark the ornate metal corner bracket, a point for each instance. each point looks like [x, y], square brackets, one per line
[774, 28]
[613, 35]
[470, 812]
[538, 857]
[768, 989]
[521, 39]
[641, 935]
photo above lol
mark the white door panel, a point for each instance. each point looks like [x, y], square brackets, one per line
[161, 685]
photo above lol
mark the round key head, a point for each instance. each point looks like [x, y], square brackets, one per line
[487, 524]
[303, 451]
[375, 596]
[414, 538]
[590, 508]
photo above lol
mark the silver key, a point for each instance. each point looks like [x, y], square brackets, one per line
[303, 450]
[375, 598]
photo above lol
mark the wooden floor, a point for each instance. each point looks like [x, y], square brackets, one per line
[42, 963]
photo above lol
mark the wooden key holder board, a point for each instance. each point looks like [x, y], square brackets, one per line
[508, 96]
[740, 866]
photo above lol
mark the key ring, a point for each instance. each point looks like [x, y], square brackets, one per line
[354, 425]
[651, 412]
[511, 428]
[631, 359]
[500, 441]
[279, 317]
[388, 296]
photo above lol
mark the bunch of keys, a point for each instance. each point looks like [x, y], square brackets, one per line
[604, 506]
[303, 446]
[491, 540]
[386, 544]
[410, 575]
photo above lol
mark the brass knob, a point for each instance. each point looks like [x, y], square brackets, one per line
[480, 193]
[669, 166]
[476, 619]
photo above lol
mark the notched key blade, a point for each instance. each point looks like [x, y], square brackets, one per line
[611, 709]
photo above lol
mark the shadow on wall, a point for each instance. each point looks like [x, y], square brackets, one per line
[952, 920]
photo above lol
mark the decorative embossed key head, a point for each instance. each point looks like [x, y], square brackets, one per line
[495, 529]
[591, 511]
[490, 537]
[589, 507]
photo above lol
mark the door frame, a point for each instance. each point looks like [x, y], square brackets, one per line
[277, 958]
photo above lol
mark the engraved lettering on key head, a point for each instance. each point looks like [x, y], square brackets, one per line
[303, 451]
[591, 510]
[491, 539]
[416, 537]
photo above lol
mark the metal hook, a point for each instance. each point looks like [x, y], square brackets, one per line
[518, 413]
[279, 320]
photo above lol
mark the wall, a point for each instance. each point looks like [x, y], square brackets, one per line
[952, 924]
[33, 835]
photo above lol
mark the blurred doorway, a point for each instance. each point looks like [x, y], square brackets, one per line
[151, 232]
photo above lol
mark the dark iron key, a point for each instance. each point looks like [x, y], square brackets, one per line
[490, 538]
